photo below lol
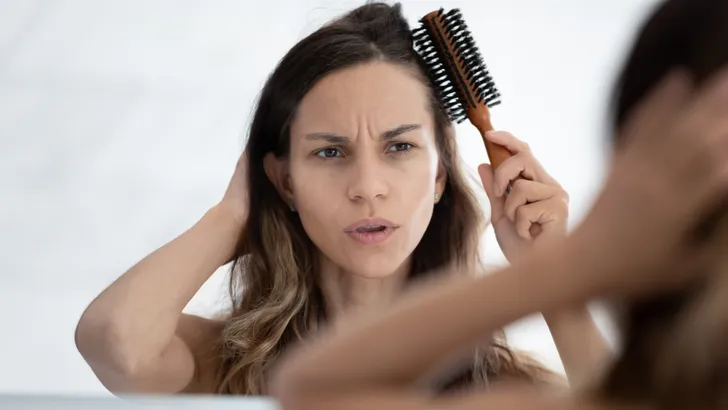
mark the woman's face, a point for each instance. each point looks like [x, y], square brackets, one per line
[364, 167]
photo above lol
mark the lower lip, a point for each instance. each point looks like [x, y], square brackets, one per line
[371, 238]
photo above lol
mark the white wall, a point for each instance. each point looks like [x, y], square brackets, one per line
[120, 122]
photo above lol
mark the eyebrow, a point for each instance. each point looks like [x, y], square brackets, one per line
[385, 136]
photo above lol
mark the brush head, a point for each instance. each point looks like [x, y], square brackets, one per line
[454, 64]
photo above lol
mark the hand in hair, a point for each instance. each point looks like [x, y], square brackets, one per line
[537, 198]
[670, 171]
[236, 199]
[134, 335]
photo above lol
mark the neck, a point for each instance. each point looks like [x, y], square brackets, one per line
[345, 292]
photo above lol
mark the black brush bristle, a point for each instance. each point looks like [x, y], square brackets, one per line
[440, 69]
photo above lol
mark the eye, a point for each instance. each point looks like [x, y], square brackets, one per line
[400, 147]
[329, 153]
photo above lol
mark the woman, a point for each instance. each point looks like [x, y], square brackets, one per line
[655, 239]
[350, 188]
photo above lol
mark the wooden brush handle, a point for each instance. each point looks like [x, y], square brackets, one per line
[496, 153]
[480, 118]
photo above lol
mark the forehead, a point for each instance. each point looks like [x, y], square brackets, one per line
[384, 92]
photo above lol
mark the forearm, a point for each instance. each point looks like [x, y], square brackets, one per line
[508, 397]
[579, 342]
[137, 315]
[426, 328]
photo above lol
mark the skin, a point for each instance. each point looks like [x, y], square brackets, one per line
[364, 136]
[640, 219]
[362, 145]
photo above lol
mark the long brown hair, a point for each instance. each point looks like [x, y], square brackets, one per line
[273, 286]
[675, 353]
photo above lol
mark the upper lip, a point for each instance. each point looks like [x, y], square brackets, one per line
[364, 223]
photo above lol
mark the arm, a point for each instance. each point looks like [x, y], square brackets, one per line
[462, 310]
[498, 398]
[540, 197]
[134, 336]
[579, 342]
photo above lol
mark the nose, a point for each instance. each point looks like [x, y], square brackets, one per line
[367, 180]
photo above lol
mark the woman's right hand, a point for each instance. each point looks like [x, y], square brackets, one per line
[671, 166]
[236, 200]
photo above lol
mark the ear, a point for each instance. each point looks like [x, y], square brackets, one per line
[440, 179]
[278, 172]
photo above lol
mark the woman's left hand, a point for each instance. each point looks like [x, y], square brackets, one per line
[537, 207]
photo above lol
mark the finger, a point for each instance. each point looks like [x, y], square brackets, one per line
[506, 139]
[522, 164]
[508, 171]
[703, 133]
[525, 192]
[526, 216]
[665, 101]
[710, 102]
[709, 113]
[538, 213]
[496, 203]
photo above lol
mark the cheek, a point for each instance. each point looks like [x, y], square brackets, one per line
[309, 181]
[317, 195]
[416, 195]
[419, 183]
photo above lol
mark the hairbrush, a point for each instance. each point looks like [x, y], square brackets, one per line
[461, 80]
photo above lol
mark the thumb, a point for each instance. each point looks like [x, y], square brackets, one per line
[496, 203]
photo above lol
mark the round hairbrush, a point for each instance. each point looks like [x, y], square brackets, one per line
[460, 77]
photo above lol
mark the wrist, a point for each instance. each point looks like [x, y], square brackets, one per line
[229, 215]
[593, 263]
[566, 270]
[571, 314]
[225, 227]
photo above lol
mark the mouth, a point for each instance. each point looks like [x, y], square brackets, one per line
[370, 228]
[371, 231]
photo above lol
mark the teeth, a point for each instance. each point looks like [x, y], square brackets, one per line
[371, 228]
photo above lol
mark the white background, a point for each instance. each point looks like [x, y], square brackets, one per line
[121, 121]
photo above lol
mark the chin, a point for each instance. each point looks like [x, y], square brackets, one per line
[376, 270]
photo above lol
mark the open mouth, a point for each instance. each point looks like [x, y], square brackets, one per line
[371, 231]
[370, 228]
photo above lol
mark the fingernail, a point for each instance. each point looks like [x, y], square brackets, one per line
[720, 81]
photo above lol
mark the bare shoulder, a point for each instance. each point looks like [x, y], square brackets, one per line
[201, 336]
